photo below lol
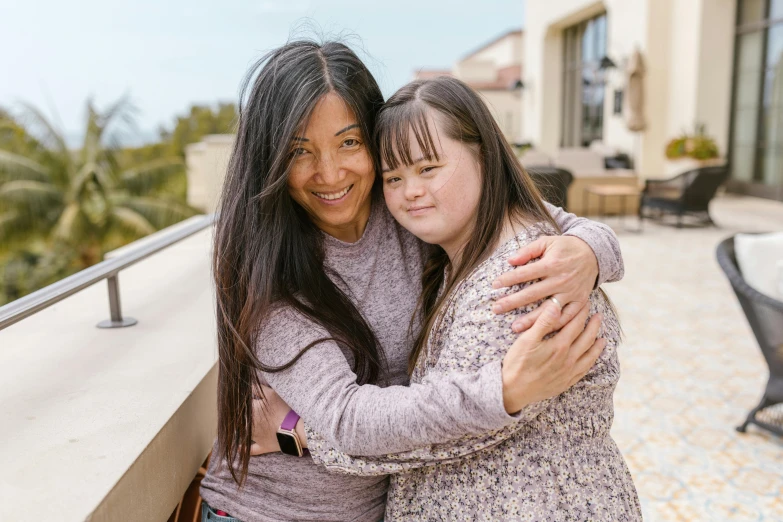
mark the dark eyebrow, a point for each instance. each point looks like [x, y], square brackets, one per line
[349, 127]
[384, 171]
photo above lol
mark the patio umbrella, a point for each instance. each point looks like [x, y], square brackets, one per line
[634, 107]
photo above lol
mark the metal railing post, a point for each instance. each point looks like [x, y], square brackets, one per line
[115, 306]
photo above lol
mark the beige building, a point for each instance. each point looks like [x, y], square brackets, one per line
[495, 71]
[711, 62]
[206, 163]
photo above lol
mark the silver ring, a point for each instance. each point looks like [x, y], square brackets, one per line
[553, 298]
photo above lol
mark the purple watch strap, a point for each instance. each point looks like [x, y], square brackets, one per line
[289, 423]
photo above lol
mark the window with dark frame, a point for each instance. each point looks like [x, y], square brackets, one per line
[583, 82]
[756, 143]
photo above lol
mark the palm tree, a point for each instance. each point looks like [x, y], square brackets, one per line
[81, 203]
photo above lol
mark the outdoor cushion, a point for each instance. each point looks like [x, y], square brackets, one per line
[760, 259]
[535, 158]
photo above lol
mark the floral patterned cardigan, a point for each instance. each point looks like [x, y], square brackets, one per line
[556, 462]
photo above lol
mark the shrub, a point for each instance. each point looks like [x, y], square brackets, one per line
[698, 146]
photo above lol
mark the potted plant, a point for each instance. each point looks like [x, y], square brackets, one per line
[690, 151]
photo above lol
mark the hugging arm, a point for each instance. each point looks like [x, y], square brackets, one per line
[599, 237]
[322, 389]
[570, 267]
[370, 420]
[495, 340]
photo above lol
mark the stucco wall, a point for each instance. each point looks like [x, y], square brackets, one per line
[715, 68]
[206, 163]
[506, 107]
[482, 67]
[476, 71]
[543, 66]
[627, 29]
[506, 52]
[688, 52]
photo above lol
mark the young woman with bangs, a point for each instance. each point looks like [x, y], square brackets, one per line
[450, 179]
[317, 288]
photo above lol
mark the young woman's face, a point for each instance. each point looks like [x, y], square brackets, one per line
[436, 200]
[332, 172]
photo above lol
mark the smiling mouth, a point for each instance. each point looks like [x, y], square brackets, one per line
[331, 196]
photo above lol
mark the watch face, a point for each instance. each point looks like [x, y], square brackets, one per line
[288, 444]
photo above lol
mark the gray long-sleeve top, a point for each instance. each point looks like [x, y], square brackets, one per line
[382, 274]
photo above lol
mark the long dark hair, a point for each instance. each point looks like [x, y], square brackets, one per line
[268, 253]
[508, 191]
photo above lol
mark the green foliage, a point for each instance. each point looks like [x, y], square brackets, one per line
[29, 269]
[199, 123]
[62, 209]
[698, 145]
[520, 148]
[191, 128]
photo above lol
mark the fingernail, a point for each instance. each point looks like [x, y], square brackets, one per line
[495, 284]
[497, 308]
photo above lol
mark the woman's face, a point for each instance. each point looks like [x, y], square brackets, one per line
[436, 200]
[332, 173]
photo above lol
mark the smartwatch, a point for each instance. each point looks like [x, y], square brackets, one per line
[286, 436]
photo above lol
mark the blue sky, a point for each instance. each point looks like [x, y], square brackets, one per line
[169, 54]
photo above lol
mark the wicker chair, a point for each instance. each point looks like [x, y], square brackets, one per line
[765, 316]
[686, 193]
[553, 183]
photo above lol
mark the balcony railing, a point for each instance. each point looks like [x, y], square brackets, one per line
[109, 270]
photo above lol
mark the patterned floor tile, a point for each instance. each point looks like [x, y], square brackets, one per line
[691, 372]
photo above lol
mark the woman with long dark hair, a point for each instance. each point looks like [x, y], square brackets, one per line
[450, 178]
[316, 291]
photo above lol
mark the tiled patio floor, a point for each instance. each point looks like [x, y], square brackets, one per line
[691, 371]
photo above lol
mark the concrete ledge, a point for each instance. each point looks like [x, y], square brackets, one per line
[155, 483]
[111, 424]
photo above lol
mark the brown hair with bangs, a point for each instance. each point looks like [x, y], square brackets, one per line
[508, 192]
